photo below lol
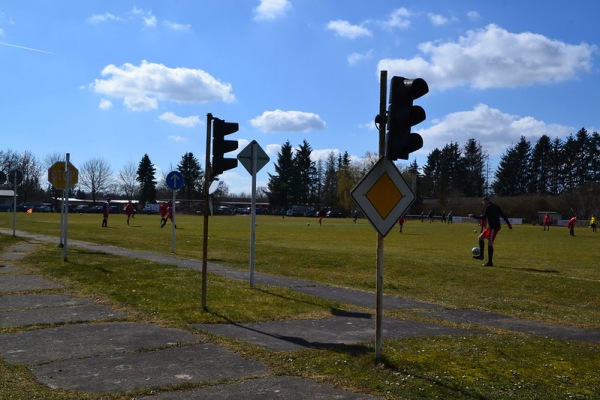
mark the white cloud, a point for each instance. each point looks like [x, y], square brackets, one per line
[437, 19]
[177, 138]
[150, 21]
[288, 121]
[105, 104]
[140, 103]
[177, 27]
[346, 30]
[355, 58]
[492, 58]
[473, 16]
[100, 18]
[188, 122]
[271, 9]
[491, 127]
[147, 17]
[398, 19]
[322, 154]
[143, 86]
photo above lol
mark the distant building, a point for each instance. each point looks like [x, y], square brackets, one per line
[6, 199]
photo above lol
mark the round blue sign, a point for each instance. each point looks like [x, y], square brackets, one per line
[175, 180]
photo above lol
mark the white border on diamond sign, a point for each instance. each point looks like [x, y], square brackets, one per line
[359, 194]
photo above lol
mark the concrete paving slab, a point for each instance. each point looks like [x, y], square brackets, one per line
[53, 315]
[24, 247]
[12, 256]
[301, 334]
[484, 318]
[24, 283]
[11, 269]
[30, 301]
[363, 299]
[86, 340]
[271, 388]
[173, 366]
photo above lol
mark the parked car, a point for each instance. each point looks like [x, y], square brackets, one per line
[151, 209]
[96, 209]
[311, 212]
[115, 209]
[334, 214]
[82, 208]
[44, 207]
[223, 210]
[23, 207]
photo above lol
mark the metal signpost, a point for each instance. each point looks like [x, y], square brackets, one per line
[174, 182]
[63, 175]
[383, 195]
[15, 177]
[253, 158]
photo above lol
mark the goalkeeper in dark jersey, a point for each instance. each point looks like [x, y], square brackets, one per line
[491, 214]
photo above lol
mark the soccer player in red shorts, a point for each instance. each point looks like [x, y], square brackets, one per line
[491, 214]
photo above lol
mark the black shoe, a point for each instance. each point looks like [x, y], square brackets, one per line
[487, 264]
[479, 257]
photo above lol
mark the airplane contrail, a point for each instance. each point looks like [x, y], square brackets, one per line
[25, 48]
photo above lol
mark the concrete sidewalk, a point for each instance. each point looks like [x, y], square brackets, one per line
[94, 348]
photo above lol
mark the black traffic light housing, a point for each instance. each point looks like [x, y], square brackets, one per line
[402, 115]
[221, 146]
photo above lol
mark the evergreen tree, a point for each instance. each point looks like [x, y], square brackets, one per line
[584, 157]
[279, 183]
[146, 177]
[348, 177]
[432, 172]
[474, 163]
[302, 185]
[513, 175]
[192, 176]
[453, 172]
[540, 166]
[594, 150]
[330, 184]
[570, 160]
[556, 166]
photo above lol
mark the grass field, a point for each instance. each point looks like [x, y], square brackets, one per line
[543, 276]
[546, 276]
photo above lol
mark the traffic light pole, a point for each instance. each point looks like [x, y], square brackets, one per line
[207, 182]
[379, 301]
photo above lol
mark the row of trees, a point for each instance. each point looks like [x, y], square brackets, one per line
[97, 181]
[549, 167]
[324, 183]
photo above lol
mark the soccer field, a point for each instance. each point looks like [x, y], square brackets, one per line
[545, 276]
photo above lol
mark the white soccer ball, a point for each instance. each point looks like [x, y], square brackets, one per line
[308, 224]
[474, 230]
[476, 251]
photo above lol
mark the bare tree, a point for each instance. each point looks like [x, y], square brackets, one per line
[31, 169]
[95, 176]
[128, 180]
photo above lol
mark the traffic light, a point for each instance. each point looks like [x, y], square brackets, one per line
[222, 146]
[402, 115]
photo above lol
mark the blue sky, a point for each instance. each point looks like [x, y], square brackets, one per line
[119, 79]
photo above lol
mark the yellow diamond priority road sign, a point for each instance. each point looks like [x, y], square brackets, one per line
[383, 195]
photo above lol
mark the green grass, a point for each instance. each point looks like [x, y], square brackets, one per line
[546, 276]
[543, 276]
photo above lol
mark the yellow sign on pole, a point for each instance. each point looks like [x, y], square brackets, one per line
[383, 195]
[57, 175]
